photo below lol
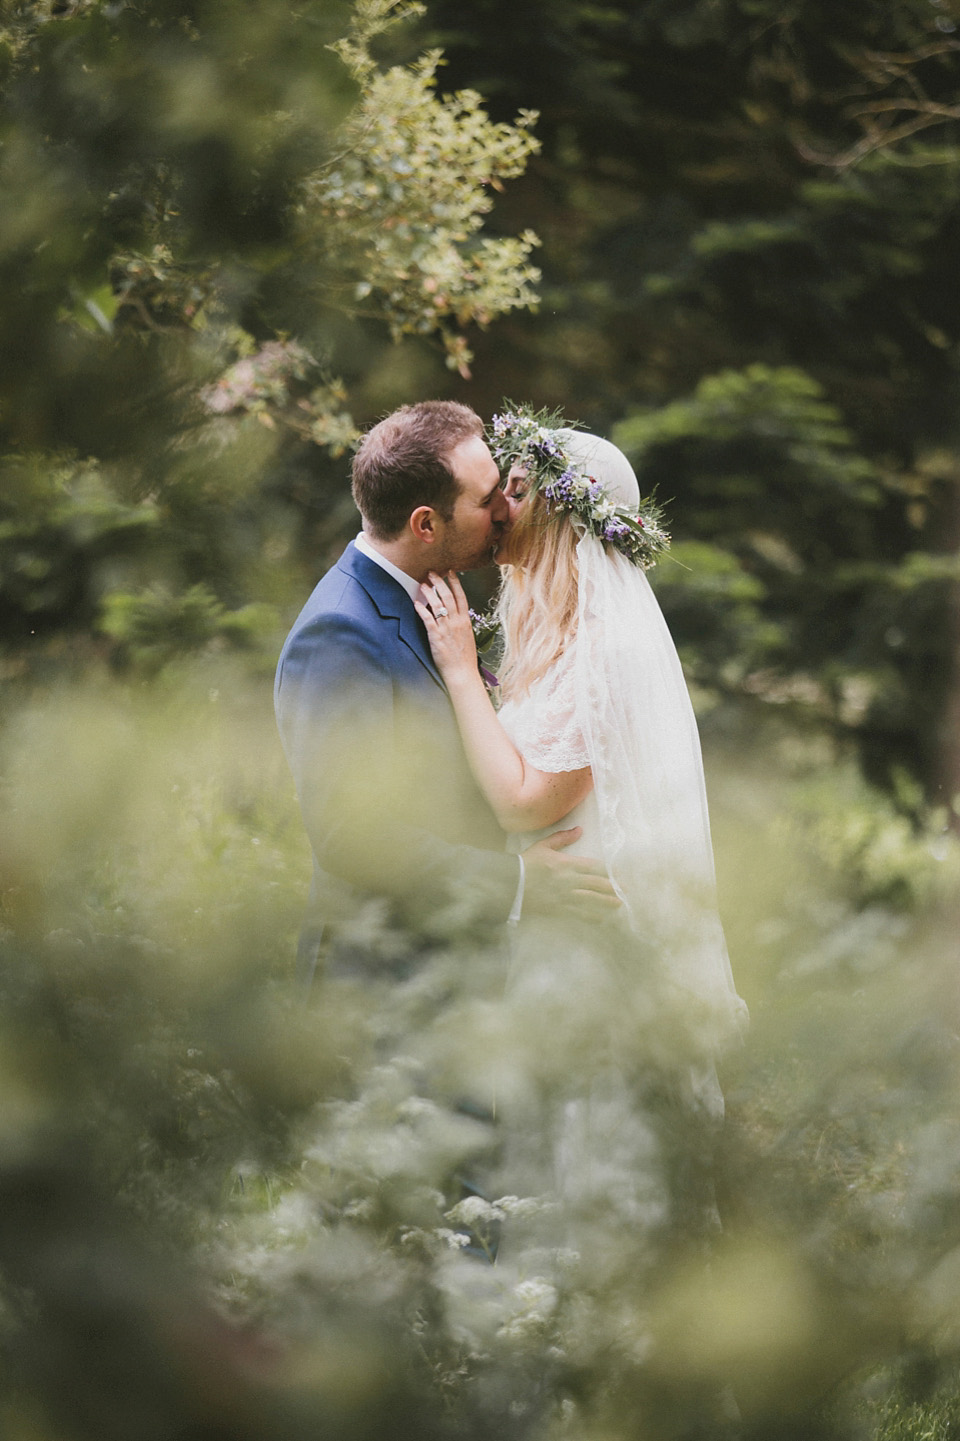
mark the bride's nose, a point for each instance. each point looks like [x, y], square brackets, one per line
[502, 509]
[513, 507]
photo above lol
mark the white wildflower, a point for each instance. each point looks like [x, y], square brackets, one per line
[538, 1300]
[456, 1240]
[537, 1295]
[523, 1207]
[473, 1209]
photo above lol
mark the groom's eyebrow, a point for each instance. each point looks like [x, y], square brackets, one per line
[487, 498]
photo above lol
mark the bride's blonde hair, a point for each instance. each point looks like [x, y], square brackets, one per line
[537, 603]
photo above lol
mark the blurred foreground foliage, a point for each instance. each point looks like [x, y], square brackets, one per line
[229, 1213]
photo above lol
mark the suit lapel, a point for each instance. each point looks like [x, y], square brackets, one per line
[393, 603]
[413, 634]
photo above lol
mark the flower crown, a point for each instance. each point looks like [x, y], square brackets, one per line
[522, 436]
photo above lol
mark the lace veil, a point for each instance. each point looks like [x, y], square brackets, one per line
[641, 736]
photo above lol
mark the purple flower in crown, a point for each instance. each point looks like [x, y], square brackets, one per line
[562, 490]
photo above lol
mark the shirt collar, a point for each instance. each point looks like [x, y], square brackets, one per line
[411, 586]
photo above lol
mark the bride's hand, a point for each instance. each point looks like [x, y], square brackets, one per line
[444, 610]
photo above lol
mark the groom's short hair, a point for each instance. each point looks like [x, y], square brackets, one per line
[402, 462]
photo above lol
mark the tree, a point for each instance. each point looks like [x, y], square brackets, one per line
[710, 203]
[207, 212]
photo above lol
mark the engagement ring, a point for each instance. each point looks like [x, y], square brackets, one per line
[441, 610]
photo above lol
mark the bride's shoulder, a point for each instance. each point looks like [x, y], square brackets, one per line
[549, 691]
[555, 675]
[563, 660]
[543, 721]
[560, 671]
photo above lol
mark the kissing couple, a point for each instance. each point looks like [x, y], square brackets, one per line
[447, 805]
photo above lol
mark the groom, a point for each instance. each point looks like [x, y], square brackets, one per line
[399, 830]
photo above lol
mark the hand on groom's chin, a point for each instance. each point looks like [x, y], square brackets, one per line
[566, 885]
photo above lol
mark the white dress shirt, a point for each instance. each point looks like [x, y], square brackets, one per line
[367, 548]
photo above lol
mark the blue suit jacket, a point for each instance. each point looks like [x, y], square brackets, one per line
[389, 803]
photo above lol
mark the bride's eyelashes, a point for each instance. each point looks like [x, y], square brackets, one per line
[513, 489]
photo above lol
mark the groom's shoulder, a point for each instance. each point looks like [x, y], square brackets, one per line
[339, 615]
[339, 594]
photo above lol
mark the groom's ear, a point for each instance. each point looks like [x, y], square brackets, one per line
[423, 523]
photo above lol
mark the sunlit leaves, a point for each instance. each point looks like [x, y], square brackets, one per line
[201, 208]
[402, 204]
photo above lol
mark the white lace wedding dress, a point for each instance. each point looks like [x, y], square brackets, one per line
[624, 1104]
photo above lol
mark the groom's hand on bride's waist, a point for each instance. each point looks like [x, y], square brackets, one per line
[557, 884]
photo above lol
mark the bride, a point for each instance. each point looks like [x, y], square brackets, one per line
[594, 728]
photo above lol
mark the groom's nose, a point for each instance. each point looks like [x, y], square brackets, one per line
[501, 509]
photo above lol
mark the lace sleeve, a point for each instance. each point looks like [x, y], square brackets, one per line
[545, 726]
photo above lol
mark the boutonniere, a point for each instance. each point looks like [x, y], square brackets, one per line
[485, 630]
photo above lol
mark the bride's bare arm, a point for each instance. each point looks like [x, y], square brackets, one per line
[521, 797]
